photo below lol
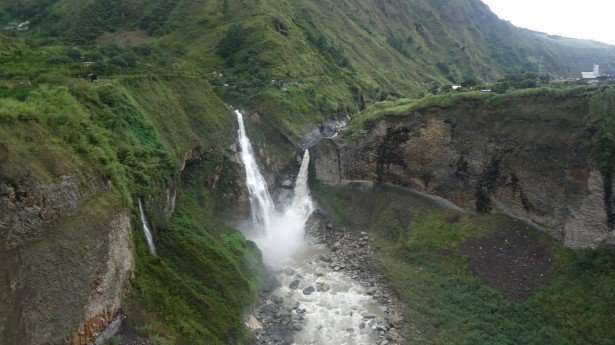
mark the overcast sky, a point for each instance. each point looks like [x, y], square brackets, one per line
[591, 19]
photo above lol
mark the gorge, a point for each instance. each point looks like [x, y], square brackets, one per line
[400, 172]
[323, 306]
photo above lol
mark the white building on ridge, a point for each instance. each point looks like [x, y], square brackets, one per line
[592, 75]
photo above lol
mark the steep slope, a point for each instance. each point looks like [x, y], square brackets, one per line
[74, 159]
[104, 102]
[301, 59]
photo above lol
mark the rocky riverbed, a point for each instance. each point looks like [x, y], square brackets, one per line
[329, 293]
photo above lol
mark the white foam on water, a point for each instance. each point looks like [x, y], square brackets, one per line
[339, 311]
[344, 314]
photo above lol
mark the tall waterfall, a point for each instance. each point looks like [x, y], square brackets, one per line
[280, 233]
[262, 206]
[149, 238]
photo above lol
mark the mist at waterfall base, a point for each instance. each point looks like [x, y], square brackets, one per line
[335, 309]
[278, 231]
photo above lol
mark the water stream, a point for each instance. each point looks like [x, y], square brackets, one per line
[261, 204]
[149, 238]
[334, 308]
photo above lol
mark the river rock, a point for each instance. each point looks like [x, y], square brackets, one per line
[325, 259]
[308, 290]
[295, 284]
[322, 287]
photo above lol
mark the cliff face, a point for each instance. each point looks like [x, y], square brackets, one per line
[531, 157]
[67, 253]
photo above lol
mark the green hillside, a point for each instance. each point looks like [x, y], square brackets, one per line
[127, 100]
[123, 140]
[309, 58]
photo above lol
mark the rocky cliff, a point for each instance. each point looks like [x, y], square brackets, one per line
[67, 253]
[531, 155]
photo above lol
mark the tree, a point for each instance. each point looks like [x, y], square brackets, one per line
[74, 54]
[232, 42]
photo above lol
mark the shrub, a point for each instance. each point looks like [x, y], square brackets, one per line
[126, 60]
[231, 44]
[74, 54]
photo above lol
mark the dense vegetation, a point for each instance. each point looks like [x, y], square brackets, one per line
[132, 135]
[295, 61]
[125, 91]
[405, 106]
[198, 292]
[424, 253]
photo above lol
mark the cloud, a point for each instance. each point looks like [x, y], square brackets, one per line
[588, 19]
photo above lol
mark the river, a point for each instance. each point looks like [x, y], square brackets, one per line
[312, 304]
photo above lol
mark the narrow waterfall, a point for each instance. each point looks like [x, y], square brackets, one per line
[149, 238]
[280, 234]
[302, 201]
[262, 206]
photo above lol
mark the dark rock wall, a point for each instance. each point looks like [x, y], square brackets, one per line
[533, 163]
[66, 249]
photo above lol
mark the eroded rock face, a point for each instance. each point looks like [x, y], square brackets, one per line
[531, 166]
[66, 253]
[586, 225]
[105, 300]
[28, 207]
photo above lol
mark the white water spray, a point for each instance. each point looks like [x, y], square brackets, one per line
[149, 238]
[286, 234]
[344, 313]
[280, 234]
[302, 201]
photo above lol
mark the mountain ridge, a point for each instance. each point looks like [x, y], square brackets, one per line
[108, 103]
[315, 56]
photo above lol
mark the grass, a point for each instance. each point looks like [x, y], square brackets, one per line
[207, 276]
[520, 99]
[103, 125]
[136, 131]
[131, 136]
[418, 248]
[296, 62]
[602, 108]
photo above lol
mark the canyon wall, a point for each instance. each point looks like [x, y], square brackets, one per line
[532, 157]
[66, 255]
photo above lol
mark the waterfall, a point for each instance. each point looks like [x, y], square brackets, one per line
[280, 234]
[261, 204]
[148, 234]
[335, 308]
[302, 201]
